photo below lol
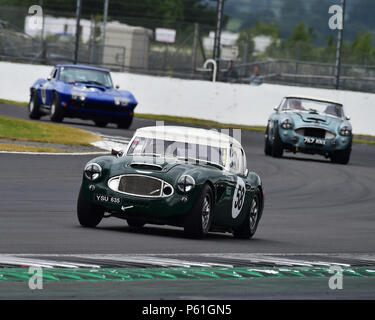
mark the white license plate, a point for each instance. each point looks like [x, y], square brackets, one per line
[317, 141]
[107, 199]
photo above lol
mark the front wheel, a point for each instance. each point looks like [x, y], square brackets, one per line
[341, 156]
[250, 225]
[34, 105]
[100, 123]
[89, 215]
[133, 223]
[198, 221]
[277, 146]
[57, 112]
[267, 146]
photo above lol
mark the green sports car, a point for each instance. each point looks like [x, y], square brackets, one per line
[188, 177]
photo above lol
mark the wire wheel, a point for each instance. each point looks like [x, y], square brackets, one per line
[253, 215]
[206, 211]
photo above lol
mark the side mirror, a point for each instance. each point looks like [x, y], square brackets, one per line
[49, 78]
[276, 109]
[347, 118]
[116, 153]
[117, 86]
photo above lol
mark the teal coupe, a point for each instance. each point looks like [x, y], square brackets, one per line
[188, 177]
[309, 125]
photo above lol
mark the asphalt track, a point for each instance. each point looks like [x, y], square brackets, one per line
[312, 206]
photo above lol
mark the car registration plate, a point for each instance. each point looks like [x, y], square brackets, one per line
[107, 199]
[317, 141]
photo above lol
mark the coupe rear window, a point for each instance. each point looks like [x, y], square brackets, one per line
[159, 147]
[88, 76]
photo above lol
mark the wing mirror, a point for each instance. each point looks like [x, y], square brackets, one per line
[347, 118]
[49, 78]
[116, 153]
[117, 86]
[246, 172]
[276, 109]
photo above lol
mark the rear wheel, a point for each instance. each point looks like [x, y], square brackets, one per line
[133, 223]
[277, 146]
[125, 123]
[100, 123]
[57, 112]
[250, 225]
[89, 215]
[34, 105]
[198, 221]
[341, 156]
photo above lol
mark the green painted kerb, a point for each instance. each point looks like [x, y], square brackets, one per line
[132, 274]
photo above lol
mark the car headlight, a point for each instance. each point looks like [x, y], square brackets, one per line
[345, 131]
[287, 123]
[186, 183]
[93, 171]
[122, 101]
[79, 96]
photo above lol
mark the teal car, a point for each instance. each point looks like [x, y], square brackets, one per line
[187, 177]
[309, 125]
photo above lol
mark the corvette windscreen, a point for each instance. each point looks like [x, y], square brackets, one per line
[158, 147]
[72, 75]
[313, 106]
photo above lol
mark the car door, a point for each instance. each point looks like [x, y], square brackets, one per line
[234, 196]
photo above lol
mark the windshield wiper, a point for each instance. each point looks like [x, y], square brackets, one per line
[93, 82]
[198, 161]
[314, 111]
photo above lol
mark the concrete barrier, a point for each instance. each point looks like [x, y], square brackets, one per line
[223, 102]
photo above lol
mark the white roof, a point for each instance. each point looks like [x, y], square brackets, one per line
[312, 98]
[187, 134]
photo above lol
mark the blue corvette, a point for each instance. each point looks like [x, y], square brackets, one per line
[309, 125]
[75, 91]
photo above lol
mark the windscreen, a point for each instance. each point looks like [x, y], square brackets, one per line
[72, 75]
[183, 150]
[313, 106]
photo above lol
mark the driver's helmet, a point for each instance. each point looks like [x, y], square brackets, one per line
[296, 104]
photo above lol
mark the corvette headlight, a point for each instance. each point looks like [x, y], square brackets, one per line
[186, 183]
[122, 101]
[93, 171]
[79, 96]
[345, 131]
[287, 123]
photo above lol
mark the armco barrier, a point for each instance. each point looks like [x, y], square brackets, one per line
[223, 102]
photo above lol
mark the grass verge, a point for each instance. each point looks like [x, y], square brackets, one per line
[361, 139]
[22, 148]
[198, 122]
[16, 129]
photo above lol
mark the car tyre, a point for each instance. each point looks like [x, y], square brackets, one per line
[125, 123]
[267, 145]
[57, 112]
[133, 223]
[89, 215]
[100, 123]
[277, 146]
[34, 107]
[341, 156]
[198, 221]
[250, 225]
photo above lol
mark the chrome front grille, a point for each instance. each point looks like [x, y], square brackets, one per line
[315, 132]
[140, 185]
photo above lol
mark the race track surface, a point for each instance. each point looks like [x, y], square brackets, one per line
[311, 205]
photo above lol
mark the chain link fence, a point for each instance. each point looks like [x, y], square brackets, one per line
[132, 48]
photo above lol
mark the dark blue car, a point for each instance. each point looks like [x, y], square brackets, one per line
[76, 91]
